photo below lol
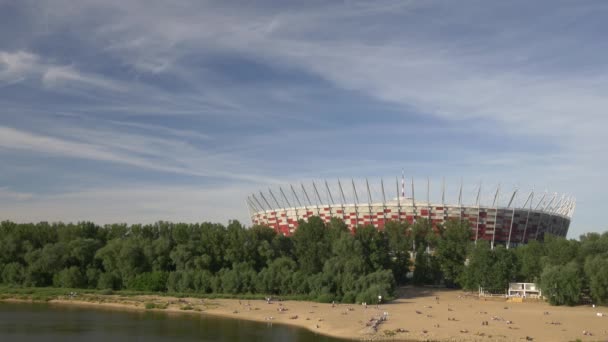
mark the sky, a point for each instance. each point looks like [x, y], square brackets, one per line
[138, 111]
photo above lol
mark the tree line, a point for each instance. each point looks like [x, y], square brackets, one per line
[320, 261]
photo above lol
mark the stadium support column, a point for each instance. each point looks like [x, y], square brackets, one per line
[414, 202]
[343, 199]
[445, 211]
[398, 200]
[460, 199]
[275, 199]
[540, 219]
[495, 205]
[356, 202]
[478, 212]
[287, 201]
[331, 199]
[250, 208]
[308, 198]
[428, 198]
[293, 191]
[543, 211]
[314, 186]
[383, 201]
[258, 202]
[512, 217]
[529, 205]
[369, 203]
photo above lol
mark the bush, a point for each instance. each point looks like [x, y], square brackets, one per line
[109, 281]
[561, 284]
[149, 281]
[70, 277]
[13, 274]
[325, 298]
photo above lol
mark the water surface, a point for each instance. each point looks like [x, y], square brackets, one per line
[52, 322]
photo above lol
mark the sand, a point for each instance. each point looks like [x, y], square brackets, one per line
[419, 314]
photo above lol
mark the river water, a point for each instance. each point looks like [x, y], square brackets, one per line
[48, 322]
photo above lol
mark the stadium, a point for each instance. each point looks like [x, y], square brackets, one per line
[506, 218]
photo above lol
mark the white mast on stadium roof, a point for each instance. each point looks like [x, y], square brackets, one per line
[478, 212]
[512, 217]
[495, 205]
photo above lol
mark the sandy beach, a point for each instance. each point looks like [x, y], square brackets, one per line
[419, 314]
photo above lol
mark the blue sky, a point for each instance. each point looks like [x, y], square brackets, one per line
[137, 111]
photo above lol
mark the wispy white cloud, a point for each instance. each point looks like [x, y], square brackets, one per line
[473, 69]
[8, 195]
[22, 65]
[155, 154]
[132, 203]
[55, 76]
[15, 67]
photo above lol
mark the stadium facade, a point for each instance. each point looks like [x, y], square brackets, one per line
[509, 220]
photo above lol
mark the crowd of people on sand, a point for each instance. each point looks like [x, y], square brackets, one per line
[375, 321]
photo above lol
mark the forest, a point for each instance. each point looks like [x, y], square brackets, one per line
[320, 262]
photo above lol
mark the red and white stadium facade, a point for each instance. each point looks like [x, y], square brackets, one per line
[509, 223]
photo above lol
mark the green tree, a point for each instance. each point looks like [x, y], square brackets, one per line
[374, 247]
[71, 277]
[561, 284]
[13, 274]
[530, 260]
[426, 268]
[452, 250]
[399, 249]
[596, 271]
[311, 245]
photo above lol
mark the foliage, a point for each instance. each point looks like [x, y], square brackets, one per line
[561, 284]
[530, 257]
[451, 250]
[324, 262]
[596, 271]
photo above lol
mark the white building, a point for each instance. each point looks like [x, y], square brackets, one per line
[524, 290]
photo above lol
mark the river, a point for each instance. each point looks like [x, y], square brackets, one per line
[52, 322]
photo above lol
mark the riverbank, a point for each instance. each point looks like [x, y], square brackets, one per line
[418, 314]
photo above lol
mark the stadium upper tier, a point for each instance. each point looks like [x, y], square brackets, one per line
[508, 220]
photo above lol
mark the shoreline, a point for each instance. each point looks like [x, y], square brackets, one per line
[418, 314]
